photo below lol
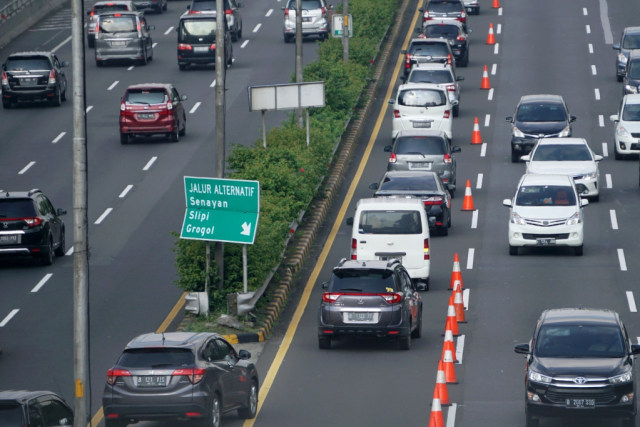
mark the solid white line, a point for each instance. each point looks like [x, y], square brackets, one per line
[195, 107]
[607, 178]
[103, 216]
[479, 182]
[632, 302]
[588, 29]
[269, 12]
[58, 138]
[26, 168]
[496, 48]
[470, 255]
[590, 48]
[614, 219]
[483, 149]
[9, 317]
[597, 93]
[498, 28]
[41, 283]
[451, 413]
[494, 68]
[256, 28]
[474, 219]
[466, 293]
[584, 11]
[150, 163]
[246, 42]
[125, 191]
[89, 108]
[487, 120]
[459, 349]
[213, 84]
[601, 120]
[605, 149]
[621, 260]
[114, 84]
[62, 43]
[168, 30]
[593, 70]
[490, 97]
[69, 252]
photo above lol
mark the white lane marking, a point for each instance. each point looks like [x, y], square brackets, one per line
[166, 33]
[114, 84]
[638, 338]
[604, 21]
[500, 12]
[632, 302]
[246, 42]
[584, 11]
[125, 191]
[41, 283]
[26, 168]
[58, 138]
[459, 349]
[256, 28]
[131, 67]
[466, 293]
[479, 181]
[89, 108]
[621, 260]
[470, 255]
[483, 149]
[213, 84]
[490, 97]
[588, 29]
[154, 44]
[487, 120]
[269, 12]
[590, 48]
[498, 28]
[596, 91]
[69, 252]
[494, 68]
[614, 219]
[195, 107]
[103, 216]
[593, 70]
[62, 43]
[601, 120]
[607, 178]
[150, 163]
[474, 219]
[9, 317]
[451, 413]
[496, 48]
[605, 149]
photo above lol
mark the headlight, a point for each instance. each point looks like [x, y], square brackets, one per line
[590, 176]
[538, 377]
[630, 89]
[624, 378]
[576, 218]
[517, 219]
[517, 133]
[622, 58]
[622, 132]
[565, 132]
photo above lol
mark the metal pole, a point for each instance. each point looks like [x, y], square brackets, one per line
[307, 111]
[299, 78]
[244, 268]
[264, 129]
[345, 32]
[80, 223]
[207, 267]
[221, 66]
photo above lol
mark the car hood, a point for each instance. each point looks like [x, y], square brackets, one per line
[542, 128]
[631, 125]
[559, 366]
[566, 167]
[545, 212]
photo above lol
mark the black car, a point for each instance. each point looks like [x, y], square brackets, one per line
[29, 225]
[421, 50]
[370, 298]
[455, 32]
[33, 76]
[631, 79]
[629, 40]
[444, 9]
[34, 408]
[579, 364]
[231, 11]
[424, 185]
[179, 376]
[156, 5]
[538, 116]
[197, 41]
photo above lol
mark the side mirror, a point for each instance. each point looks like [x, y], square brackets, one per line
[325, 285]
[418, 30]
[183, 98]
[584, 202]
[239, 4]
[244, 354]
[616, 46]
[509, 119]
[387, 148]
[525, 158]
[459, 78]
[151, 27]
[456, 149]
[522, 349]
[635, 348]
[597, 157]
[64, 64]
[350, 220]
[572, 119]
[507, 203]
[614, 118]
[392, 101]
[60, 212]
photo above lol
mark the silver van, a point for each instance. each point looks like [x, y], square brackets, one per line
[123, 36]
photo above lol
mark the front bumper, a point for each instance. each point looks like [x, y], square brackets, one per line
[561, 235]
[627, 145]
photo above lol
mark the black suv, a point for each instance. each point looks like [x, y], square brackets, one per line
[579, 363]
[421, 50]
[444, 9]
[32, 76]
[631, 79]
[179, 376]
[374, 298]
[34, 408]
[29, 225]
[538, 116]
[455, 32]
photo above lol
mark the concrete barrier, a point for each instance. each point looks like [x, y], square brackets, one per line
[18, 15]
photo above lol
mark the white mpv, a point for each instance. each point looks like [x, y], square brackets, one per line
[422, 106]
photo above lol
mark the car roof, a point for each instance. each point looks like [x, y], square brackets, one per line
[420, 132]
[389, 203]
[365, 264]
[632, 98]
[31, 53]
[19, 194]
[541, 97]
[631, 30]
[433, 22]
[408, 174]
[580, 316]
[167, 86]
[434, 86]
[562, 141]
[169, 339]
[432, 66]
[545, 179]
[23, 395]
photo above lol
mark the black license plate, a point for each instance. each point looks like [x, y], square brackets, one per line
[151, 381]
[581, 403]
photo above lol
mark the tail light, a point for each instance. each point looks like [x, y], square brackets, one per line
[447, 114]
[331, 297]
[324, 10]
[396, 114]
[434, 200]
[212, 47]
[447, 159]
[184, 46]
[113, 374]
[52, 77]
[32, 222]
[139, 29]
[461, 38]
[354, 249]
[195, 375]
[192, 12]
[407, 61]
[286, 12]
[449, 59]
[426, 16]
[389, 297]
[392, 298]
[169, 106]
[5, 79]
[426, 249]
[393, 158]
[451, 88]
[228, 12]
[97, 29]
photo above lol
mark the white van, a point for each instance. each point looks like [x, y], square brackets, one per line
[387, 228]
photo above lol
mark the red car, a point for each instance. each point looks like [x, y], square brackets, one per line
[150, 109]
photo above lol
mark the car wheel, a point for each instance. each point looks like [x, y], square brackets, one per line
[47, 253]
[404, 343]
[444, 231]
[515, 156]
[183, 67]
[456, 111]
[64, 93]
[417, 332]
[595, 198]
[124, 138]
[114, 423]
[422, 285]
[216, 413]
[324, 343]
[465, 60]
[240, 33]
[513, 250]
[287, 38]
[532, 422]
[144, 59]
[166, 4]
[183, 132]
[234, 36]
[99, 63]
[175, 135]
[61, 248]
[249, 411]
[578, 250]
[57, 99]
[6, 104]
[616, 154]
[619, 78]
[91, 43]
[629, 422]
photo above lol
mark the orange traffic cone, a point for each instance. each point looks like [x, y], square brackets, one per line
[451, 322]
[476, 138]
[440, 390]
[491, 38]
[485, 79]
[496, 4]
[457, 284]
[458, 305]
[449, 345]
[436, 419]
[449, 370]
[467, 203]
[456, 275]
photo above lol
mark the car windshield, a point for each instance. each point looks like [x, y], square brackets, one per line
[631, 112]
[448, 31]
[561, 153]
[204, 5]
[426, 145]
[146, 96]
[631, 41]
[430, 76]
[34, 63]
[156, 357]
[541, 112]
[118, 24]
[423, 183]
[579, 341]
[633, 72]
[197, 31]
[16, 208]
[362, 280]
[429, 49]
[11, 415]
[422, 98]
[545, 195]
[306, 4]
[390, 222]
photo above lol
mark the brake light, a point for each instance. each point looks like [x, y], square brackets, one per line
[228, 12]
[447, 159]
[52, 77]
[324, 10]
[117, 14]
[393, 158]
[32, 222]
[426, 249]
[354, 249]
[123, 107]
[169, 106]
[431, 201]
[449, 59]
[426, 16]
[396, 114]
[184, 46]
[212, 47]
[388, 297]
[192, 12]
[286, 12]
[113, 374]
[461, 38]
[5, 79]
[447, 114]
[407, 61]
[139, 29]
[451, 88]
[331, 297]
[195, 375]
[97, 27]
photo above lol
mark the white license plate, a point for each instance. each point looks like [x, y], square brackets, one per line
[9, 239]
[581, 403]
[360, 317]
[420, 165]
[388, 258]
[145, 116]
[306, 19]
[201, 49]
[151, 381]
[118, 44]
[421, 125]
[546, 241]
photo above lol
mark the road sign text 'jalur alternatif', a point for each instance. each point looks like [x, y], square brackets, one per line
[219, 209]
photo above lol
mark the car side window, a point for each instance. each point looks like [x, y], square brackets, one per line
[44, 206]
[174, 95]
[55, 413]
[229, 352]
[35, 416]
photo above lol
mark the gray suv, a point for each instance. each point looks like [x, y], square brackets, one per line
[123, 36]
[421, 50]
[180, 376]
[629, 40]
[370, 298]
[34, 408]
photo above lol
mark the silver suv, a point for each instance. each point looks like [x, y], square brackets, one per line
[105, 7]
[123, 36]
[421, 50]
[440, 74]
[315, 19]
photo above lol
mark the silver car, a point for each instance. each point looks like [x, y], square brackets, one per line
[105, 7]
[424, 150]
[315, 19]
[441, 74]
[123, 36]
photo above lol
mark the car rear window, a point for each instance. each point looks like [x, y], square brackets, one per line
[427, 145]
[28, 63]
[442, 30]
[445, 6]
[362, 280]
[17, 208]
[118, 24]
[146, 96]
[541, 112]
[306, 4]
[429, 48]
[192, 30]
[562, 153]
[580, 341]
[544, 195]
[422, 98]
[390, 222]
[408, 183]
[631, 112]
[10, 415]
[156, 357]
[430, 76]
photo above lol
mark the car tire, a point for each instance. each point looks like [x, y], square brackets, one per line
[578, 250]
[47, 253]
[64, 94]
[251, 408]
[531, 422]
[515, 156]
[57, 99]
[595, 198]
[183, 132]
[417, 332]
[287, 38]
[234, 36]
[404, 343]
[465, 60]
[166, 5]
[239, 33]
[422, 285]
[144, 59]
[616, 154]
[61, 248]
[215, 413]
[444, 231]
[456, 111]
[6, 104]
[124, 138]
[324, 343]
[99, 63]
[629, 422]
[183, 67]
[513, 250]
[175, 135]
[91, 43]
[114, 423]
[619, 78]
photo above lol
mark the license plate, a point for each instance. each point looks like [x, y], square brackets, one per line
[546, 241]
[581, 403]
[151, 381]
[118, 44]
[306, 19]
[201, 49]
[145, 116]
[388, 258]
[360, 317]
[28, 82]
[9, 239]
[421, 125]
[420, 165]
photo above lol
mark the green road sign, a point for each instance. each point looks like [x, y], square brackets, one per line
[218, 209]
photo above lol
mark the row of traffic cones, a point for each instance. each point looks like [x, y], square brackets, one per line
[446, 371]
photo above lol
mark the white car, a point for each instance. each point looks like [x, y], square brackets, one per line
[441, 74]
[627, 127]
[569, 156]
[422, 106]
[472, 6]
[546, 211]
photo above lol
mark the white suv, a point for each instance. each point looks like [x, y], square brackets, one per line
[422, 106]
[315, 19]
[627, 127]
[546, 211]
[441, 74]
